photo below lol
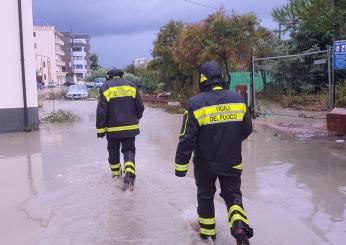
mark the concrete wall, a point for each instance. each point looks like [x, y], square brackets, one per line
[11, 92]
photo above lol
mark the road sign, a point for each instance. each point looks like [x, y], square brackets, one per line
[320, 62]
[340, 55]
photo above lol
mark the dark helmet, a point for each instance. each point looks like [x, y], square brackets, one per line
[115, 73]
[211, 75]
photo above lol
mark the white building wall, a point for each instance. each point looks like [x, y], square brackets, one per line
[45, 48]
[11, 92]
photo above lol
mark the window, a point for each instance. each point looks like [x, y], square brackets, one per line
[78, 66]
[44, 77]
[77, 49]
[44, 64]
[77, 58]
[34, 34]
[35, 45]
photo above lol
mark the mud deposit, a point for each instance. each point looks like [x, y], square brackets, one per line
[56, 188]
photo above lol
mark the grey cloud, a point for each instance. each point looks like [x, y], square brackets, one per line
[119, 17]
[124, 29]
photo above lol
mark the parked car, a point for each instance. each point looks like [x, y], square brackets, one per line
[40, 85]
[51, 84]
[98, 82]
[69, 84]
[77, 92]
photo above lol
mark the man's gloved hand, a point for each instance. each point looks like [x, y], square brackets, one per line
[101, 135]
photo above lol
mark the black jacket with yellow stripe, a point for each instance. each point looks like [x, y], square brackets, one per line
[214, 126]
[119, 109]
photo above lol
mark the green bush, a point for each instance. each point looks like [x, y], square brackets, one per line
[341, 95]
[311, 102]
[94, 93]
[60, 116]
[96, 74]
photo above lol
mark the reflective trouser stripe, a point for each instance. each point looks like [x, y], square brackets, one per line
[116, 169]
[116, 172]
[129, 170]
[181, 167]
[210, 221]
[236, 208]
[238, 217]
[130, 167]
[130, 164]
[115, 166]
[208, 232]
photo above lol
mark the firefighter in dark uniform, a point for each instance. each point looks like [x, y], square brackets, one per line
[118, 112]
[214, 126]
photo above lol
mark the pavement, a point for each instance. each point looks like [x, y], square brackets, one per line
[56, 188]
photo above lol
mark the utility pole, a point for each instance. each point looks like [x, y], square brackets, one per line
[72, 44]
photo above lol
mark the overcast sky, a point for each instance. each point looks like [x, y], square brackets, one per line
[122, 30]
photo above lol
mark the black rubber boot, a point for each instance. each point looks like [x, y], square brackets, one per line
[129, 182]
[241, 237]
[206, 237]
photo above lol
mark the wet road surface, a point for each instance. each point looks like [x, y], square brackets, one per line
[56, 188]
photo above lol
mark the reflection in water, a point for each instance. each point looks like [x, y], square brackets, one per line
[292, 188]
[307, 175]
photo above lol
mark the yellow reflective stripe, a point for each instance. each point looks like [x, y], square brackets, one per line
[130, 170]
[203, 78]
[181, 167]
[116, 165]
[217, 88]
[185, 124]
[230, 107]
[122, 128]
[236, 208]
[119, 91]
[116, 172]
[224, 117]
[101, 130]
[208, 232]
[210, 221]
[130, 164]
[240, 166]
[238, 217]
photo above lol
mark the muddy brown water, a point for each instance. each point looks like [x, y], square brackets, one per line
[56, 188]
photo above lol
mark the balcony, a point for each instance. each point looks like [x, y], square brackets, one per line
[59, 41]
[60, 63]
[59, 52]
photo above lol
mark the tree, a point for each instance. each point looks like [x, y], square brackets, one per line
[167, 68]
[312, 22]
[94, 62]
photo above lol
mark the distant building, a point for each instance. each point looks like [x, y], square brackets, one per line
[77, 54]
[141, 62]
[18, 93]
[49, 54]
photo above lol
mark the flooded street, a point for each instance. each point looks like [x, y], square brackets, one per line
[56, 188]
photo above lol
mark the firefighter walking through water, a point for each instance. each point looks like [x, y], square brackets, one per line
[214, 126]
[119, 110]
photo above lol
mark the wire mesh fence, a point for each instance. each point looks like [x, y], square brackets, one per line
[299, 82]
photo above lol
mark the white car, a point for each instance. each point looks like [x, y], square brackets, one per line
[77, 92]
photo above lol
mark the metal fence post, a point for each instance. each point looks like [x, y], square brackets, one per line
[253, 93]
[330, 85]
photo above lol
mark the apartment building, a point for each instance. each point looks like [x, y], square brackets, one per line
[77, 54]
[49, 54]
[18, 93]
[141, 62]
